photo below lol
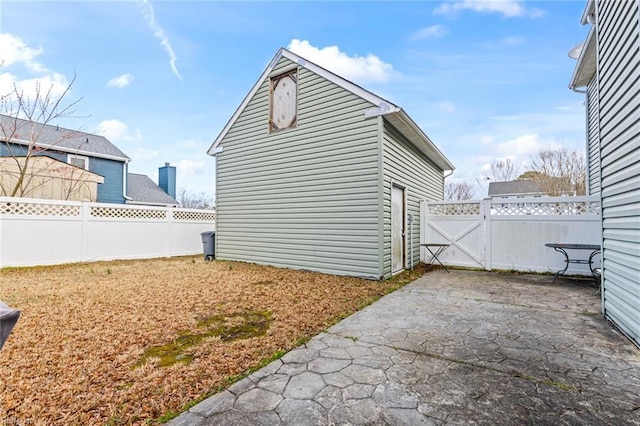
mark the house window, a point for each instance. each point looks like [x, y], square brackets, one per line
[283, 111]
[78, 161]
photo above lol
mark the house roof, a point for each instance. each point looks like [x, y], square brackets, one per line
[58, 138]
[514, 187]
[142, 190]
[393, 113]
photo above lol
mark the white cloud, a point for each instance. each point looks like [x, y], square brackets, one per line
[16, 51]
[429, 32]
[524, 146]
[121, 81]
[145, 155]
[446, 106]
[118, 131]
[508, 8]
[189, 167]
[368, 68]
[158, 32]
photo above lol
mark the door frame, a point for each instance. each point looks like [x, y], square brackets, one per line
[403, 188]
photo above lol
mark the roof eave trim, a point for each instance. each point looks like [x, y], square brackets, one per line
[70, 150]
[383, 104]
[588, 10]
[588, 49]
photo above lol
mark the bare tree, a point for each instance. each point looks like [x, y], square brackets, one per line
[22, 122]
[559, 171]
[502, 171]
[458, 191]
[195, 201]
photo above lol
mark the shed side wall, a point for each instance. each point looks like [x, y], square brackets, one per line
[619, 100]
[306, 197]
[405, 165]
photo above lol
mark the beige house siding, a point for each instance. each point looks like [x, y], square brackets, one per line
[49, 179]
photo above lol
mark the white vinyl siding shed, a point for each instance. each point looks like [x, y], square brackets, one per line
[610, 69]
[316, 196]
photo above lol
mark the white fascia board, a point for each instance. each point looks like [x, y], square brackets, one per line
[70, 150]
[589, 9]
[384, 106]
[213, 150]
[587, 58]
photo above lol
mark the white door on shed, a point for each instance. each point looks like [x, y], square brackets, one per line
[397, 229]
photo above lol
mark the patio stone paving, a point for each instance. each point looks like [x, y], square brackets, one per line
[459, 348]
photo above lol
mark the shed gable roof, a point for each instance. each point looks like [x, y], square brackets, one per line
[53, 137]
[393, 113]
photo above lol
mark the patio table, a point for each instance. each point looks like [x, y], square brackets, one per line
[562, 248]
[439, 248]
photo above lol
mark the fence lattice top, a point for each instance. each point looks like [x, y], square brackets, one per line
[569, 206]
[454, 209]
[198, 216]
[117, 212]
[572, 208]
[36, 209]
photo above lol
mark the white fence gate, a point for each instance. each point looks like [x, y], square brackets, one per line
[46, 232]
[510, 233]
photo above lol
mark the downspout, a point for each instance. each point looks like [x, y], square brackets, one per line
[125, 176]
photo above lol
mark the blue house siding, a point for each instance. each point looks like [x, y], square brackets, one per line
[17, 150]
[113, 172]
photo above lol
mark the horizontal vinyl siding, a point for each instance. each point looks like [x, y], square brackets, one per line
[305, 197]
[404, 164]
[619, 92]
[593, 146]
[111, 190]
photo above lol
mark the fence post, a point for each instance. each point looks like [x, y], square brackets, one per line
[167, 244]
[485, 211]
[85, 213]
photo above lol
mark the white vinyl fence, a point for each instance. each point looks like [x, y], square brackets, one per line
[511, 233]
[46, 232]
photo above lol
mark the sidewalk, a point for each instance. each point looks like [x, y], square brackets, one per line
[465, 347]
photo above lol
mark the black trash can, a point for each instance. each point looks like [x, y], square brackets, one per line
[209, 245]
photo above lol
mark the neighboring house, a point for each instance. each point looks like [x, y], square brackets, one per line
[84, 150]
[530, 188]
[515, 188]
[72, 165]
[608, 67]
[142, 190]
[314, 172]
[49, 178]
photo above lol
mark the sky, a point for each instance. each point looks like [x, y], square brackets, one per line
[485, 80]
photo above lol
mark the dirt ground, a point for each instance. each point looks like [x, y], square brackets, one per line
[137, 341]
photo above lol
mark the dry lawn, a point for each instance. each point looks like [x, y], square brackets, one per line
[76, 355]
